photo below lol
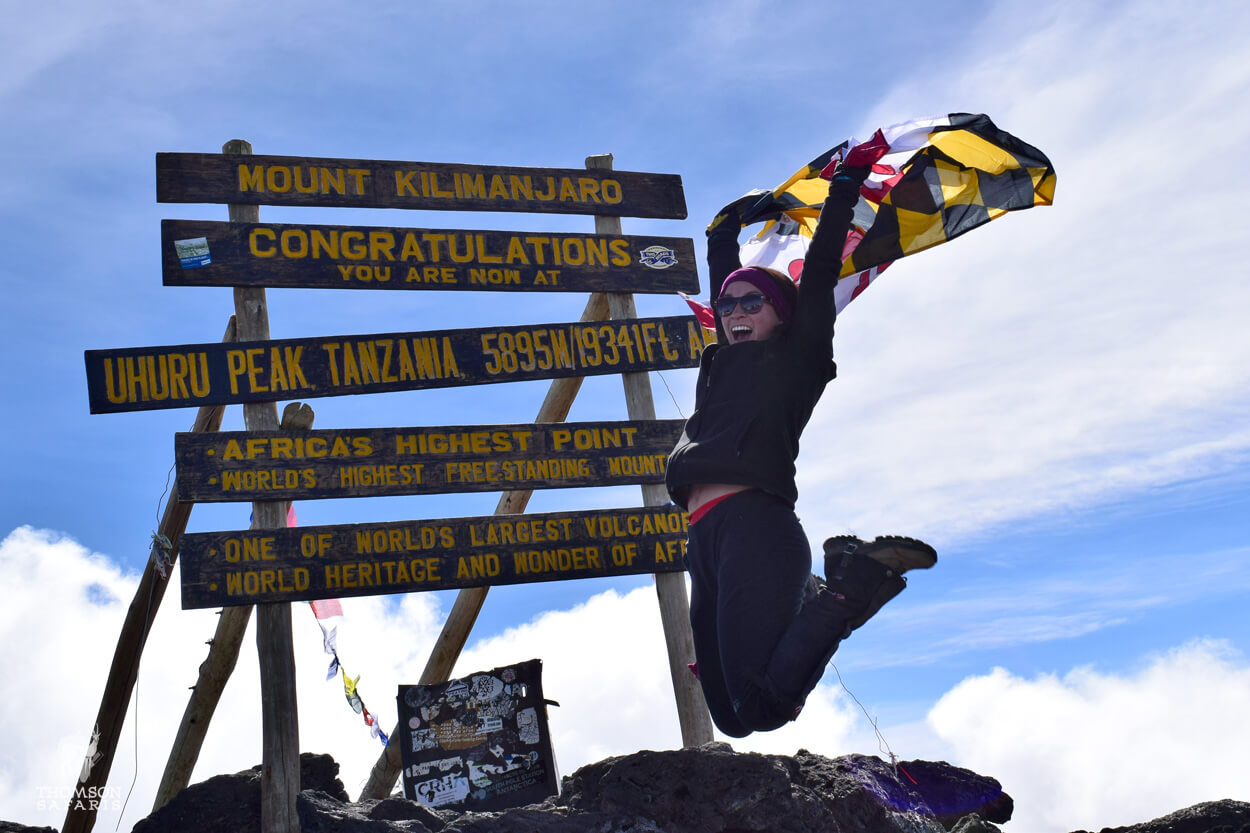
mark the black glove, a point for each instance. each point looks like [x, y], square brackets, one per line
[844, 174]
[836, 214]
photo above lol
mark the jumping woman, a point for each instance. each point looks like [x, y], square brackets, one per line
[764, 626]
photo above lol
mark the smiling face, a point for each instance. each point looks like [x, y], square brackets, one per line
[740, 325]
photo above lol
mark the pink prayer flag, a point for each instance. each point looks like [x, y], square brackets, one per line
[325, 608]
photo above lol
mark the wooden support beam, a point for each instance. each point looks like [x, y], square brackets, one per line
[455, 633]
[223, 653]
[279, 776]
[692, 713]
[130, 643]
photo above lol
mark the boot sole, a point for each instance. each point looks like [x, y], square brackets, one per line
[900, 553]
[895, 551]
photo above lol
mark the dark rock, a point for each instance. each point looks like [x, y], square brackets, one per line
[1225, 816]
[401, 809]
[711, 789]
[974, 824]
[952, 793]
[542, 818]
[232, 802]
[321, 813]
[14, 827]
[319, 772]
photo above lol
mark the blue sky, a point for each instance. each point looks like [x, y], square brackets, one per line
[1057, 401]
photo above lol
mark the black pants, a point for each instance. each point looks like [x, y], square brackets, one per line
[749, 562]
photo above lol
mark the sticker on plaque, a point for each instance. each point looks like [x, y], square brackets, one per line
[657, 257]
[193, 253]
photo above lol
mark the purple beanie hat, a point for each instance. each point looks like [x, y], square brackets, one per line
[766, 284]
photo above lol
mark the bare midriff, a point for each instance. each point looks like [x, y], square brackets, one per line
[701, 493]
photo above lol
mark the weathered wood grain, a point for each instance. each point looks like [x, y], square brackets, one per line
[371, 462]
[317, 562]
[148, 378]
[208, 253]
[435, 186]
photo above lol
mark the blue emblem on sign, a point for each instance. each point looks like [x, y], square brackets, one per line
[193, 253]
[657, 257]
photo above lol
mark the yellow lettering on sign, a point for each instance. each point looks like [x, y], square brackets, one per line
[280, 370]
[251, 548]
[480, 565]
[639, 466]
[391, 474]
[172, 376]
[403, 539]
[353, 574]
[560, 559]
[305, 179]
[261, 480]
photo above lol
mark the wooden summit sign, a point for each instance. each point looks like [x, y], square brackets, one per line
[206, 253]
[150, 378]
[362, 183]
[369, 462]
[318, 562]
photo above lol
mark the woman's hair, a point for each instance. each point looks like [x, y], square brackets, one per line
[784, 288]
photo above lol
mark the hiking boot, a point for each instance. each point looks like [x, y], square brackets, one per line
[896, 552]
[864, 576]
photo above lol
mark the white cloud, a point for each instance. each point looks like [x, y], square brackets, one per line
[1086, 749]
[59, 626]
[1093, 749]
[1067, 601]
[1071, 354]
[604, 660]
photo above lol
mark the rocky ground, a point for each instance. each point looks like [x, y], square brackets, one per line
[707, 790]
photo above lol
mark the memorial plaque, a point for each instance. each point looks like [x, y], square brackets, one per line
[479, 742]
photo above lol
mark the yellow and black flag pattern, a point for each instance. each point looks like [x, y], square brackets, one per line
[932, 180]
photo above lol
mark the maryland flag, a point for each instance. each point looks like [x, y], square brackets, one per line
[932, 180]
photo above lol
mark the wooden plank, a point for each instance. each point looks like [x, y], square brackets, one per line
[149, 378]
[370, 559]
[371, 462]
[435, 186]
[692, 711]
[124, 670]
[206, 253]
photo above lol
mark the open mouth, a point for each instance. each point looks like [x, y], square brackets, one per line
[740, 332]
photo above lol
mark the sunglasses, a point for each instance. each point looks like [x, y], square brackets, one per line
[751, 304]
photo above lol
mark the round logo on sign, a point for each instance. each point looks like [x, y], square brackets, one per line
[657, 257]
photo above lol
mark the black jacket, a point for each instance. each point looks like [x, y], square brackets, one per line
[753, 400]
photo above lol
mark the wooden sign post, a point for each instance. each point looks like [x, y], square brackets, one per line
[692, 712]
[215, 670]
[279, 775]
[270, 565]
[124, 671]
